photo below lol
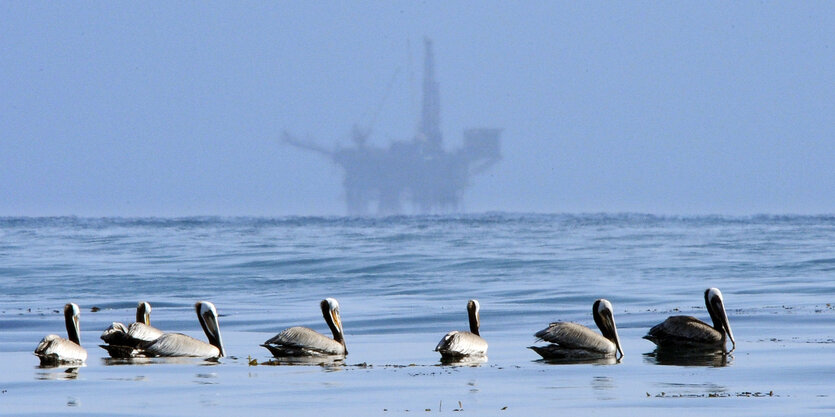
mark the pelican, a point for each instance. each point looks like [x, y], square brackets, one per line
[54, 349]
[178, 344]
[573, 341]
[457, 345]
[301, 341]
[690, 332]
[122, 341]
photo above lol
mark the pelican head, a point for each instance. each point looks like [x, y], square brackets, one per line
[602, 312]
[472, 311]
[716, 308]
[72, 314]
[143, 313]
[207, 315]
[330, 310]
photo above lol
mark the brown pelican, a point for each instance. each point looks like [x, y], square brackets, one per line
[301, 341]
[690, 332]
[456, 345]
[572, 341]
[54, 350]
[122, 341]
[178, 344]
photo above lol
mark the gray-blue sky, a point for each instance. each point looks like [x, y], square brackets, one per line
[175, 108]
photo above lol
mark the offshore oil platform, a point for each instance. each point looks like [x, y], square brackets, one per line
[418, 171]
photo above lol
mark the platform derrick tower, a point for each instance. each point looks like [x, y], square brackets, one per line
[419, 172]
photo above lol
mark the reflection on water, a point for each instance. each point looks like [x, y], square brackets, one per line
[150, 361]
[683, 390]
[206, 379]
[464, 361]
[604, 387]
[525, 267]
[335, 361]
[689, 357]
[580, 361]
[474, 386]
[57, 373]
[125, 361]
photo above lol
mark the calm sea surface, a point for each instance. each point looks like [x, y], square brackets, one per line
[402, 283]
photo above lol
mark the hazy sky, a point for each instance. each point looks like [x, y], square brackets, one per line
[176, 108]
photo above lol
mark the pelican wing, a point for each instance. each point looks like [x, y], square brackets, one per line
[301, 341]
[143, 332]
[178, 344]
[54, 349]
[575, 336]
[123, 342]
[683, 331]
[457, 343]
[116, 334]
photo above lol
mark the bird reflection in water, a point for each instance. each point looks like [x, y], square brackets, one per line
[180, 360]
[604, 388]
[326, 361]
[206, 378]
[464, 361]
[58, 373]
[716, 358]
[585, 361]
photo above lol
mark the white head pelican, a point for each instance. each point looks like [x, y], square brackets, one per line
[690, 332]
[457, 345]
[302, 341]
[54, 349]
[122, 341]
[571, 341]
[178, 344]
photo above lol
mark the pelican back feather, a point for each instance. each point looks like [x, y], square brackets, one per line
[302, 341]
[54, 349]
[116, 334]
[575, 336]
[458, 344]
[178, 344]
[685, 331]
[142, 332]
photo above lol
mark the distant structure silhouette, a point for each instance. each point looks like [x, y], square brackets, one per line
[419, 171]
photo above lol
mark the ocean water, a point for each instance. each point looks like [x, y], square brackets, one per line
[402, 282]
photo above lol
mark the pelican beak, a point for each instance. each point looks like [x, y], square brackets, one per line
[617, 345]
[605, 320]
[335, 317]
[77, 324]
[615, 333]
[207, 315]
[72, 316]
[719, 305]
[716, 307]
[143, 313]
[211, 321]
[727, 326]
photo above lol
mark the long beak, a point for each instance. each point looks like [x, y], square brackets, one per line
[213, 332]
[339, 336]
[727, 325]
[617, 345]
[77, 325]
[716, 307]
[616, 337]
[336, 320]
[217, 336]
[605, 321]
